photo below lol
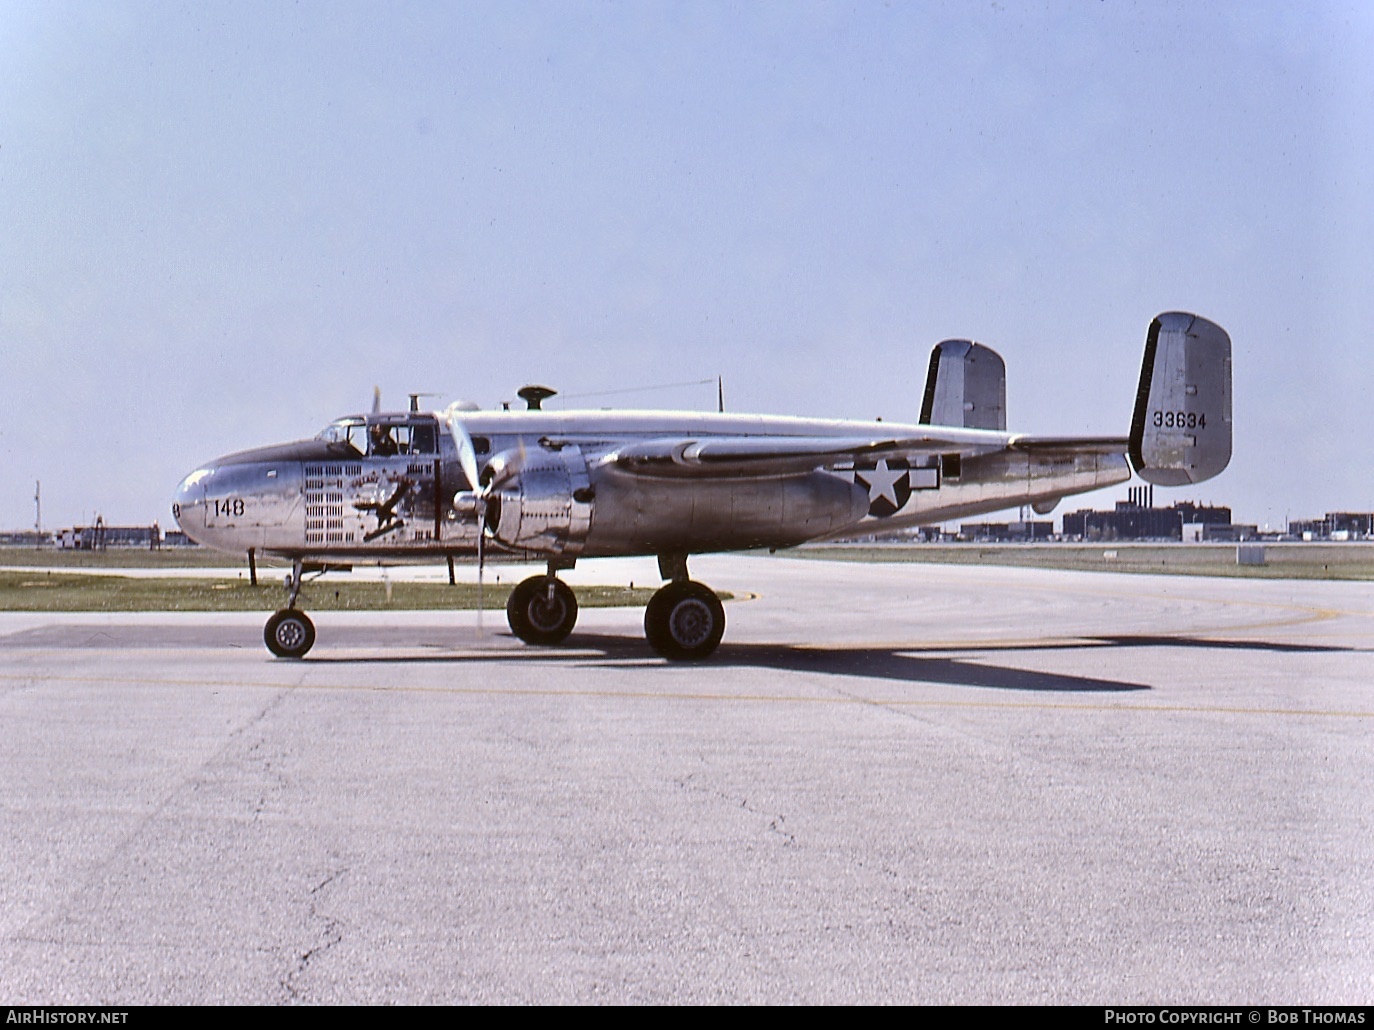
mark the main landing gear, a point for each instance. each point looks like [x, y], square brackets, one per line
[542, 610]
[684, 620]
[290, 633]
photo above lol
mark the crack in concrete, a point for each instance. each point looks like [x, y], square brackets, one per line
[775, 823]
[331, 933]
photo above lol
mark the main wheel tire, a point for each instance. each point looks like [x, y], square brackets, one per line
[536, 619]
[684, 621]
[289, 634]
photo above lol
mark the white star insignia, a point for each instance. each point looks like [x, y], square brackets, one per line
[882, 482]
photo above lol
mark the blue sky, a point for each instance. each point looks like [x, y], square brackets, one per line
[221, 224]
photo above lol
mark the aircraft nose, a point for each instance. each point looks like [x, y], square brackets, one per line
[188, 504]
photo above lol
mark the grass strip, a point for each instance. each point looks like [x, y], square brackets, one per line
[41, 590]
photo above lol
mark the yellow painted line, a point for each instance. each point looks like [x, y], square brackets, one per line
[642, 695]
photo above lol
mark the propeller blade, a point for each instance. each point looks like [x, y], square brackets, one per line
[501, 470]
[467, 459]
[481, 568]
[504, 468]
[467, 453]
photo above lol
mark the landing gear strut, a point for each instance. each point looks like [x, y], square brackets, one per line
[290, 633]
[542, 610]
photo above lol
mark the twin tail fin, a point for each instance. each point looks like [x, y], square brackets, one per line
[1181, 429]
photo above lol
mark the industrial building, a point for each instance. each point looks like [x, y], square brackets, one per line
[1138, 519]
[1336, 525]
[1006, 532]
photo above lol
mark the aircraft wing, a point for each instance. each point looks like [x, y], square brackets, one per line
[785, 455]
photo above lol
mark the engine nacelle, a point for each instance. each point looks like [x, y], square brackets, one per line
[547, 507]
[653, 515]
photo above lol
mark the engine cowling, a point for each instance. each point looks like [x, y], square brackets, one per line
[547, 506]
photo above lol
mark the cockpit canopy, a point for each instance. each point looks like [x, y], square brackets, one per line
[382, 436]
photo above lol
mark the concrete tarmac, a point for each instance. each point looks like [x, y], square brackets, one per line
[893, 783]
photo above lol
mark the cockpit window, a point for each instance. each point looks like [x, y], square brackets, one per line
[404, 439]
[347, 434]
[383, 439]
[424, 438]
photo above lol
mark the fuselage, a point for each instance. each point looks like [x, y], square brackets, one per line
[389, 487]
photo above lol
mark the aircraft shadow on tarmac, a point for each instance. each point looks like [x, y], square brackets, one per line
[884, 663]
[960, 665]
[927, 664]
[916, 663]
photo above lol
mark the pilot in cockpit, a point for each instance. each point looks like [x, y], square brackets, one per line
[383, 446]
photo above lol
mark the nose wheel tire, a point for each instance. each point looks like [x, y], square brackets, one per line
[684, 621]
[289, 634]
[537, 617]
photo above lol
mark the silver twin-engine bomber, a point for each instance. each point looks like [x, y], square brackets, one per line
[554, 487]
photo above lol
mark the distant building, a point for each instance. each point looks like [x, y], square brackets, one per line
[1337, 525]
[25, 538]
[917, 534]
[1006, 532]
[1357, 524]
[101, 536]
[1233, 533]
[1138, 519]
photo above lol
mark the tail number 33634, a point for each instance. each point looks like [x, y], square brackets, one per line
[1180, 419]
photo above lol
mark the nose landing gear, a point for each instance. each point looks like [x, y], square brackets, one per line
[289, 633]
